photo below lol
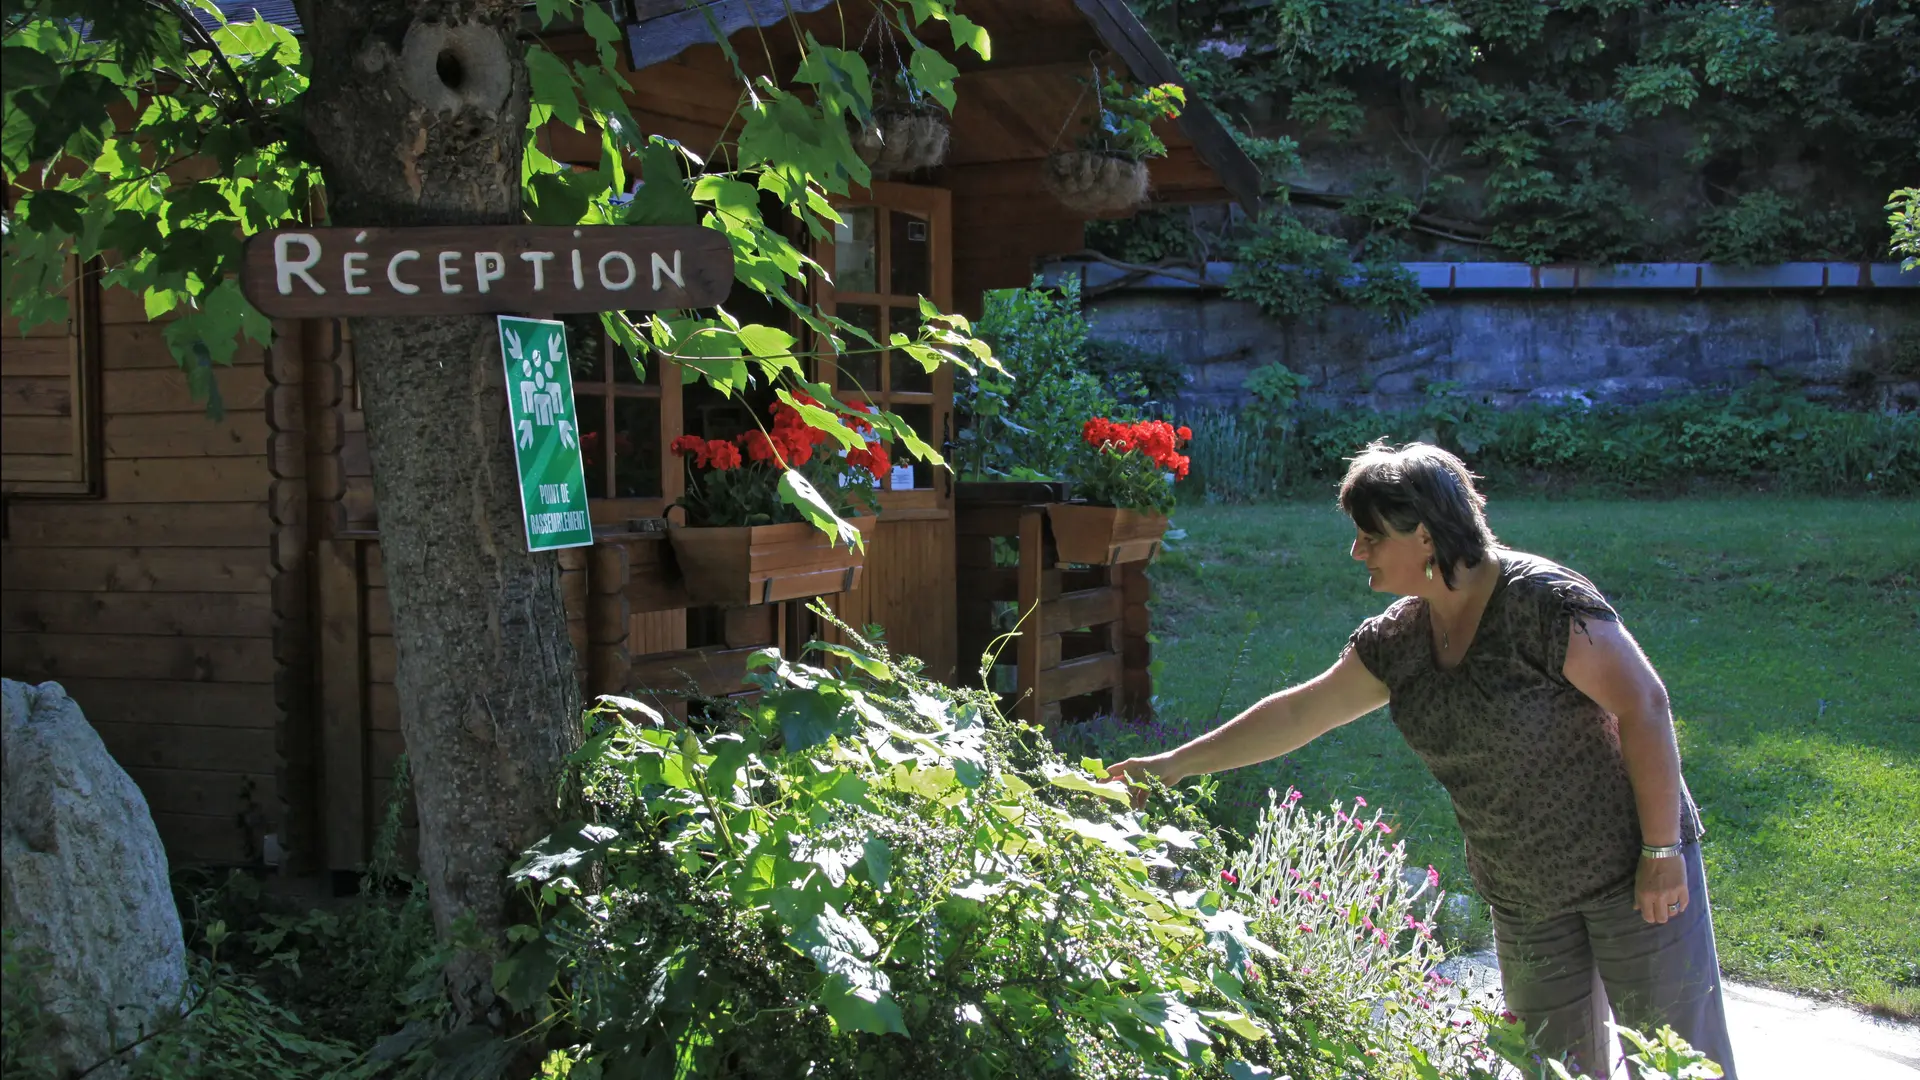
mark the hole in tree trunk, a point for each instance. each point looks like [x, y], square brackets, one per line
[447, 66]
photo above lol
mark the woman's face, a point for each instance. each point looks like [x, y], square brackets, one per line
[1396, 562]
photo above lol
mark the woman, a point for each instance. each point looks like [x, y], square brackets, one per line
[1514, 681]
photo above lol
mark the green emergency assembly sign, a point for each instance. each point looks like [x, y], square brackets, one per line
[546, 433]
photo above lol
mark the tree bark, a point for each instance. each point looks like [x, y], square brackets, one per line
[417, 112]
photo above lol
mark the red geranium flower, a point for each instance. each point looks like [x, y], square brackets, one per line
[692, 446]
[757, 445]
[723, 455]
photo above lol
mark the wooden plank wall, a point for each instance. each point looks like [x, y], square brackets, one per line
[153, 604]
[909, 588]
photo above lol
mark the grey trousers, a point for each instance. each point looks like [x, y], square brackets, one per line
[1562, 972]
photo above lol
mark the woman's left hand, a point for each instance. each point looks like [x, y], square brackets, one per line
[1660, 889]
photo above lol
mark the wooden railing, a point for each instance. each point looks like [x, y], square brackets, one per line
[1082, 646]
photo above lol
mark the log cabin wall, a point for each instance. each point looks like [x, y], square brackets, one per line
[152, 598]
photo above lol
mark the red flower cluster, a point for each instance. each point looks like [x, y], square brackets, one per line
[1157, 439]
[707, 453]
[873, 459]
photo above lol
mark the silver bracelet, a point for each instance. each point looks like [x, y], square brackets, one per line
[1648, 851]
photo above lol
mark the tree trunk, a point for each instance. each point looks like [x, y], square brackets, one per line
[419, 122]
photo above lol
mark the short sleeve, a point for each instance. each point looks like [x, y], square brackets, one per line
[1563, 604]
[1380, 642]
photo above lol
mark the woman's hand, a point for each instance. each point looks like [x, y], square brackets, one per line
[1660, 889]
[1158, 765]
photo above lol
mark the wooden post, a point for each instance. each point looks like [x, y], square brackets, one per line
[343, 718]
[1032, 562]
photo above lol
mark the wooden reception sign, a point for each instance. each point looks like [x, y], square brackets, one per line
[486, 269]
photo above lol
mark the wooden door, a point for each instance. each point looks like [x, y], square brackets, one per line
[896, 246]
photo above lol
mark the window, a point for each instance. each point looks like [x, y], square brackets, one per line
[621, 424]
[886, 255]
[49, 393]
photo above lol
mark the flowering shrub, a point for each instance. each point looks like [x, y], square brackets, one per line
[1127, 465]
[738, 481]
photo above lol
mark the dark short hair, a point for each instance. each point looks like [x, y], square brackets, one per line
[1416, 485]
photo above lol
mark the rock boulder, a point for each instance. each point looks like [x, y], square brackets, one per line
[88, 909]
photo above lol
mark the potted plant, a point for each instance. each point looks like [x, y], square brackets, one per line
[742, 542]
[1123, 476]
[1107, 170]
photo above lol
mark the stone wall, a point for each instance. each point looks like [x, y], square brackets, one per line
[1511, 348]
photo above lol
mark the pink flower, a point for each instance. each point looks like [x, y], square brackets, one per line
[1293, 796]
[1305, 929]
[1308, 970]
[1386, 829]
[1359, 800]
[1305, 893]
[1433, 877]
[1274, 900]
[1367, 922]
[1293, 872]
[1227, 876]
[1381, 937]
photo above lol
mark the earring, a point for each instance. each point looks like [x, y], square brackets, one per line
[1429, 569]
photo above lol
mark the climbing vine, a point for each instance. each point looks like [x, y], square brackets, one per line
[1592, 130]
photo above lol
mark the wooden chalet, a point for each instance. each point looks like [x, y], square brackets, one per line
[210, 591]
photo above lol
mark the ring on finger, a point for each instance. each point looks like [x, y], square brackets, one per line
[1673, 909]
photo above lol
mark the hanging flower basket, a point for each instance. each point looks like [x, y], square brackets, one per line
[1105, 535]
[902, 141]
[742, 565]
[1093, 182]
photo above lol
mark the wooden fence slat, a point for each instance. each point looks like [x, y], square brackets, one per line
[188, 480]
[128, 656]
[170, 703]
[213, 749]
[143, 525]
[135, 569]
[1087, 607]
[1087, 675]
[185, 435]
[194, 614]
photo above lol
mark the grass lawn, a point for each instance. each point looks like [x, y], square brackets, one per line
[1787, 631]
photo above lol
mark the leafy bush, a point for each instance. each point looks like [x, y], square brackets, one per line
[1025, 423]
[1762, 431]
[870, 874]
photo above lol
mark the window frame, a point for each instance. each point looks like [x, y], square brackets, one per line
[83, 365]
[934, 205]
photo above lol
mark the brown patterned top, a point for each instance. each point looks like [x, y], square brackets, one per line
[1534, 766]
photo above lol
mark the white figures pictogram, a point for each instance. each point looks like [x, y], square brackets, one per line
[542, 400]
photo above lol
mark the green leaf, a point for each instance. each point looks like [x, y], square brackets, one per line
[871, 665]
[879, 860]
[968, 34]
[663, 198]
[798, 492]
[21, 67]
[856, 1008]
[808, 718]
[935, 74]
[523, 978]
[553, 86]
[1067, 779]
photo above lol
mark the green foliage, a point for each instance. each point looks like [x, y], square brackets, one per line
[1292, 271]
[1766, 227]
[1763, 431]
[1551, 110]
[869, 873]
[1903, 217]
[216, 150]
[1022, 421]
[1123, 119]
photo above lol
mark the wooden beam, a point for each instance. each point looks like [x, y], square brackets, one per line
[1086, 675]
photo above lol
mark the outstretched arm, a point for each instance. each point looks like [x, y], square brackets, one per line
[1278, 724]
[1606, 664]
